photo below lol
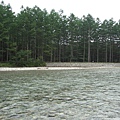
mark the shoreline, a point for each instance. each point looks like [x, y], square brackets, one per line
[51, 68]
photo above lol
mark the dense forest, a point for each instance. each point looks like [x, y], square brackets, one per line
[35, 36]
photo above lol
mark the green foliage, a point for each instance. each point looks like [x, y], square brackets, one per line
[22, 59]
[37, 63]
[5, 65]
[29, 63]
[55, 37]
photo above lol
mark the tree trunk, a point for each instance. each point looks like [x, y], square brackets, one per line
[89, 48]
[59, 52]
[84, 52]
[71, 53]
[110, 55]
[106, 53]
[51, 55]
[97, 51]
[97, 54]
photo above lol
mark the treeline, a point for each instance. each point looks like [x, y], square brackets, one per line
[34, 36]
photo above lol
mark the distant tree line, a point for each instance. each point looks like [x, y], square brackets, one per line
[34, 36]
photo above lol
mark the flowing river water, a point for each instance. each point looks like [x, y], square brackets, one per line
[84, 94]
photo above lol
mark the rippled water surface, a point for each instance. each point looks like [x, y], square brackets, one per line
[86, 94]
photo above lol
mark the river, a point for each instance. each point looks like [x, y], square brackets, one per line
[85, 94]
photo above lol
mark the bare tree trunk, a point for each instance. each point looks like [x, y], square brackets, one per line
[2, 51]
[89, 48]
[51, 54]
[84, 52]
[7, 48]
[97, 54]
[110, 55]
[35, 56]
[59, 57]
[112, 59]
[42, 54]
[7, 54]
[54, 56]
[71, 53]
[106, 53]
[27, 53]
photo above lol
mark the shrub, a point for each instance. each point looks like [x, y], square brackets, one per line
[5, 65]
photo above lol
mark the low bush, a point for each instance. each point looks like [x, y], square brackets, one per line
[29, 63]
[5, 65]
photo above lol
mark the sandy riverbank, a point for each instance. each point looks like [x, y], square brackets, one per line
[82, 64]
[48, 68]
[65, 66]
[37, 68]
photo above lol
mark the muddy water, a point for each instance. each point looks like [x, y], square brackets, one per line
[88, 94]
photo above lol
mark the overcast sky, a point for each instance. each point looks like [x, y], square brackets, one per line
[103, 9]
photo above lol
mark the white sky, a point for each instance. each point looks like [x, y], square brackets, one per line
[103, 9]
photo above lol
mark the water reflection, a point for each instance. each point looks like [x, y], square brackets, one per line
[54, 95]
